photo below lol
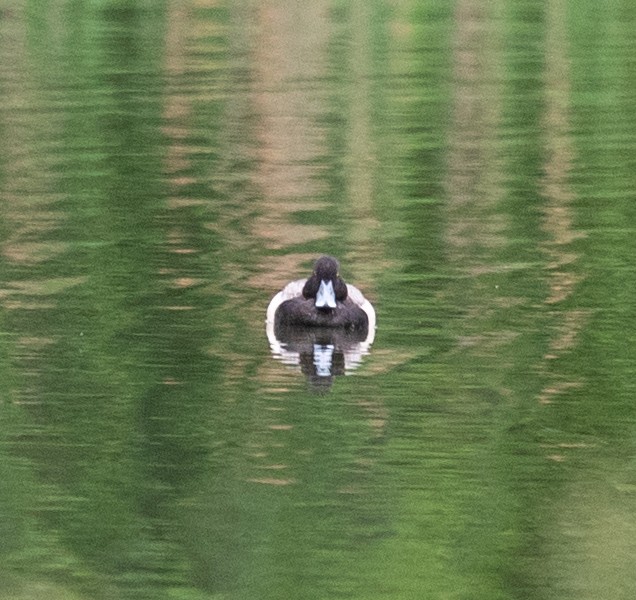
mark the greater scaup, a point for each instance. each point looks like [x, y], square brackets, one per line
[322, 300]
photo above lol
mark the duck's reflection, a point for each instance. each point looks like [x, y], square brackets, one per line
[321, 324]
[322, 353]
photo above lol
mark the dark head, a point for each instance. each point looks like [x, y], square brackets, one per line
[325, 285]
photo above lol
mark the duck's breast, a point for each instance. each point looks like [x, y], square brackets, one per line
[292, 290]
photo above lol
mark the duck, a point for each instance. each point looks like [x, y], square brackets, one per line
[322, 300]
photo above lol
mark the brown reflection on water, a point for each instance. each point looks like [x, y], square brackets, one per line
[474, 177]
[292, 54]
[474, 224]
[289, 61]
[187, 49]
[28, 205]
[178, 105]
[279, 270]
[28, 211]
[558, 219]
[362, 152]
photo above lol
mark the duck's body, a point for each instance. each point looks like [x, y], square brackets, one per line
[322, 300]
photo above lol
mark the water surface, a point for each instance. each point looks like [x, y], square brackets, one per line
[168, 166]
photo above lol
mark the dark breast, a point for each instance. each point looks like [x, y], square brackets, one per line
[301, 312]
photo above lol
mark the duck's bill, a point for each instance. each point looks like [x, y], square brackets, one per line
[326, 297]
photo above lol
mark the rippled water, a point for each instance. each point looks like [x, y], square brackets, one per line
[168, 167]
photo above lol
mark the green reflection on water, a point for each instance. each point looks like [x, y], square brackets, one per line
[171, 165]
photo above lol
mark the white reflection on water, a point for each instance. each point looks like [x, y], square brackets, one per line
[319, 352]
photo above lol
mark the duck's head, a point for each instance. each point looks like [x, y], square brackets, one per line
[325, 286]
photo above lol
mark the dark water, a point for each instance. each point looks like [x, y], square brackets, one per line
[167, 166]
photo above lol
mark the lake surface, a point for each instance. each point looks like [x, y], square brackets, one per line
[167, 167]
